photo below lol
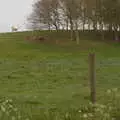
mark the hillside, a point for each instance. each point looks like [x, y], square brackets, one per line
[49, 75]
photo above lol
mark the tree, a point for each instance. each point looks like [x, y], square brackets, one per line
[71, 9]
[75, 14]
[112, 15]
[46, 12]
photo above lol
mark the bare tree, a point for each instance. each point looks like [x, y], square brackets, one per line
[74, 14]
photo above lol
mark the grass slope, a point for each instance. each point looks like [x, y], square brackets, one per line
[47, 75]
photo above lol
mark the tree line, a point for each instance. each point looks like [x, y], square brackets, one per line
[76, 15]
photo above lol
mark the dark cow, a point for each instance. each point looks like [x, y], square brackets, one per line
[40, 38]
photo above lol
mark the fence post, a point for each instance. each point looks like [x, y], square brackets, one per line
[92, 77]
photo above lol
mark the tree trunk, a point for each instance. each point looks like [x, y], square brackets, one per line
[77, 33]
[116, 36]
[83, 24]
[116, 33]
[49, 26]
[88, 25]
[56, 27]
[110, 27]
[94, 25]
[67, 25]
[71, 29]
[102, 31]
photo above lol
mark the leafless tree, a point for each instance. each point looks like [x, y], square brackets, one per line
[74, 15]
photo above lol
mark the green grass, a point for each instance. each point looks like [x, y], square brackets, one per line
[47, 75]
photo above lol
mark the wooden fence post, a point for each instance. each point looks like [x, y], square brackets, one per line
[92, 77]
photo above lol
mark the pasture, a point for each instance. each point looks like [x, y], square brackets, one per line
[47, 75]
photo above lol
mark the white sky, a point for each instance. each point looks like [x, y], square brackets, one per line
[14, 13]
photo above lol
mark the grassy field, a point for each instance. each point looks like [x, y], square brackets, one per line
[48, 75]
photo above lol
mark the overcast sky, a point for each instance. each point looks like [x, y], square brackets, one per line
[14, 13]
